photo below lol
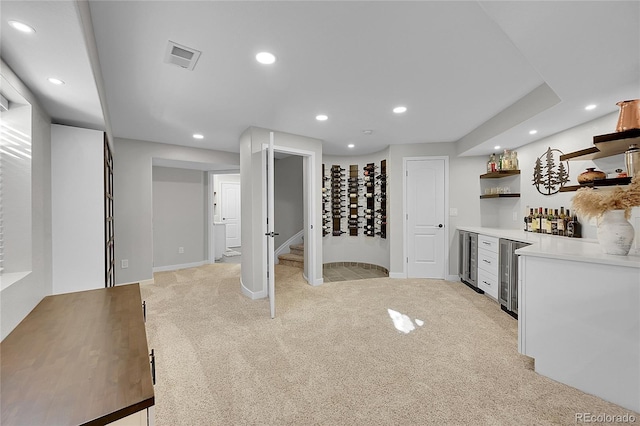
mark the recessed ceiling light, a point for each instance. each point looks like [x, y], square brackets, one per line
[400, 109]
[22, 27]
[198, 136]
[55, 81]
[351, 145]
[322, 117]
[533, 132]
[265, 58]
[590, 107]
[367, 132]
[496, 147]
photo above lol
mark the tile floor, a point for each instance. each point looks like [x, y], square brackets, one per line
[352, 272]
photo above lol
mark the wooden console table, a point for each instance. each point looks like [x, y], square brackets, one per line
[77, 359]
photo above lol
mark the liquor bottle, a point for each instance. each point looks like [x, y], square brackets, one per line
[543, 221]
[574, 228]
[554, 223]
[562, 222]
[492, 163]
[550, 222]
[540, 220]
[534, 221]
[526, 219]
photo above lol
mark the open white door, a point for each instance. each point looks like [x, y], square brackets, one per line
[271, 277]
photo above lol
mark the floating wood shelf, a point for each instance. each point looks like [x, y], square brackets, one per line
[500, 174]
[606, 146]
[500, 196]
[598, 183]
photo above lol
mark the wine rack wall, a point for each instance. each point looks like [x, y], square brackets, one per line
[342, 200]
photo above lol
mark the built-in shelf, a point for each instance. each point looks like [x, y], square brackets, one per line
[598, 183]
[606, 146]
[500, 174]
[500, 196]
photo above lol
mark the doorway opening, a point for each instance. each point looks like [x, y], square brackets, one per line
[225, 219]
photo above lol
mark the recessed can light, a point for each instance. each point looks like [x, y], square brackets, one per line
[198, 136]
[400, 109]
[351, 145]
[590, 107]
[367, 132]
[55, 81]
[496, 147]
[265, 58]
[322, 117]
[22, 27]
[533, 132]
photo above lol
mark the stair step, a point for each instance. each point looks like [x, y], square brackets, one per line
[290, 259]
[297, 249]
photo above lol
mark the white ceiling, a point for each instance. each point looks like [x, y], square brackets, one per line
[475, 73]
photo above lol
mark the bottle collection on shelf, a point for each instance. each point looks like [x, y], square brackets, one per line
[340, 201]
[552, 222]
[507, 161]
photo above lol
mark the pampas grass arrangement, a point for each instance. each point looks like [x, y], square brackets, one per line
[590, 202]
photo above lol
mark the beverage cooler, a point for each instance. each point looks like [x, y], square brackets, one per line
[508, 291]
[468, 259]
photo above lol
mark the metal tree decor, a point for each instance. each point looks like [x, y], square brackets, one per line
[547, 178]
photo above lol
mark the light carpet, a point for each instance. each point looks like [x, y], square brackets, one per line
[332, 355]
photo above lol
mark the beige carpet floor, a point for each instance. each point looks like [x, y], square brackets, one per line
[333, 356]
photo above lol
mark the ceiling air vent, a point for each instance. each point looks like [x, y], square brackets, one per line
[182, 56]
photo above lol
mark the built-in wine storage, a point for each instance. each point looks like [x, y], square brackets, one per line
[343, 192]
[338, 205]
[354, 196]
[382, 185]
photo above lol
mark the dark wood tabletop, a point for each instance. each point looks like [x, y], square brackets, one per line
[77, 358]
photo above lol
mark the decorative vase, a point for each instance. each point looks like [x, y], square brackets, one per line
[615, 233]
[629, 117]
[590, 175]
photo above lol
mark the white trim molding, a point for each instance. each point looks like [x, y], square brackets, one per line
[400, 275]
[182, 266]
[252, 295]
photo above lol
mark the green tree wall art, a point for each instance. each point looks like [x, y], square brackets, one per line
[547, 177]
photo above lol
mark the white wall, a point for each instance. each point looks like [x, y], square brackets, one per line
[254, 206]
[345, 248]
[288, 201]
[133, 199]
[574, 139]
[77, 209]
[179, 217]
[17, 300]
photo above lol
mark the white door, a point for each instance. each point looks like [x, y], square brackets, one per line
[270, 235]
[425, 208]
[230, 211]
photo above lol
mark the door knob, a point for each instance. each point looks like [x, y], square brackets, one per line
[440, 225]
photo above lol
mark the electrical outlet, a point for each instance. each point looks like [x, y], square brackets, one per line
[453, 211]
[180, 250]
[124, 263]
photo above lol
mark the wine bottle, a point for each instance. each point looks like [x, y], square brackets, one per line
[338, 233]
[562, 219]
[554, 222]
[543, 225]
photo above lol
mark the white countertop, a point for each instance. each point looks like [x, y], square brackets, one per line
[561, 248]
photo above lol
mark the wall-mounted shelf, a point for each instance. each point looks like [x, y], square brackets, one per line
[598, 183]
[606, 146]
[500, 196]
[500, 174]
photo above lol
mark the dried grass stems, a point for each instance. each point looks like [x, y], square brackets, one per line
[590, 202]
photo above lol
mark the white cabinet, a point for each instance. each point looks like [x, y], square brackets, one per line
[488, 268]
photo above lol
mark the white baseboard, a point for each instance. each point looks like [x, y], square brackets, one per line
[141, 282]
[397, 275]
[284, 248]
[182, 266]
[452, 278]
[250, 294]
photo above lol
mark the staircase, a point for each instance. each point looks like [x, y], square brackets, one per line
[295, 258]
